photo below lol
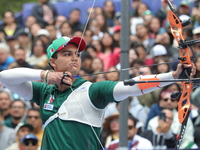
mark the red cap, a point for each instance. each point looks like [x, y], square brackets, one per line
[117, 28]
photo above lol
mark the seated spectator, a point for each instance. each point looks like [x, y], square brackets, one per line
[112, 76]
[134, 141]
[24, 41]
[59, 20]
[52, 32]
[17, 112]
[147, 17]
[167, 102]
[29, 142]
[21, 130]
[38, 57]
[20, 58]
[111, 128]
[29, 21]
[161, 136]
[74, 20]
[44, 12]
[5, 58]
[7, 134]
[5, 102]
[13, 43]
[97, 65]
[9, 26]
[66, 29]
[109, 12]
[44, 35]
[34, 118]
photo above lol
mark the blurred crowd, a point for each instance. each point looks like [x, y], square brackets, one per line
[153, 118]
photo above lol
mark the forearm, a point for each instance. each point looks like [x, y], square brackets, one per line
[18, 80]
[121, 92]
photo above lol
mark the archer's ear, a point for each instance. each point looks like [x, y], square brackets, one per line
[52, 62]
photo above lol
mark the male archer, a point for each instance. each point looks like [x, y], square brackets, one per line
[75, 115]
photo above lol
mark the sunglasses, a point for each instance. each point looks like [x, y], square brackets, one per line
[130, 127]
[35, 117]
[166, 99]
[28, 142]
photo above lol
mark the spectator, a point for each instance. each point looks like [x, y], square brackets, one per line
[143, 37]
[98, 45]
[158, 51]
[162, 12]
[91, 13]
[95, 28]
[99, 77]
[161, 136]
[74, 20]
[86, 59]
[184, 8]
[195, 15]
[166, 40]
[44, 35]
[30, 142]
[44, 12]
[109, 12]
[166, 102]
[52, 32]
[78, 33]
[59, 20]
[102, 23]
[161, 68]
[34, 30]
[12, 42]
[38, 57]
[134, 6]
[91, 50]
[147, 17]
[142, 54]
[21, 130]
[17, 112]
[5, 102]
[155, 27]
[29, 21]
[66, 29]
[134, 141]
[196, 35]
[97, 65]
[107, 49]
[7, 134]
[111, 127]
[88, 36]
[24, 42]
[137, 19]
[9, 26]
[5, 58]
[112, 76]
[34, 118]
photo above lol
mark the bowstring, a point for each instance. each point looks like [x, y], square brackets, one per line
[88, 18]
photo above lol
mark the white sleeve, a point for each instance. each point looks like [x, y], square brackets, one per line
[121, 91]
[19, 80]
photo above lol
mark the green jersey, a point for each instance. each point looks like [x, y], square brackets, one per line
[70, 135]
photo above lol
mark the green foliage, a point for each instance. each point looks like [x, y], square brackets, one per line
[14, 5]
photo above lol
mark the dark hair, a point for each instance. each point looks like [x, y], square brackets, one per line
[34, 109]
[34, 42]
[90, 46]
[17, 100]
[130, 116]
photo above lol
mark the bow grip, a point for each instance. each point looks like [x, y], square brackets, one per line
[185, 74]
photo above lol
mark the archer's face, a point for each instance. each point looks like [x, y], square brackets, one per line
[68, 59]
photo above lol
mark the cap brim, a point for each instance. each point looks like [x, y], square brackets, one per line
[79, 42]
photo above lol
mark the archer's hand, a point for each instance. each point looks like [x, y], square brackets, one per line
[56, 77]
[180, 68]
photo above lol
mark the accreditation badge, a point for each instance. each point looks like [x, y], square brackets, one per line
[48, 106]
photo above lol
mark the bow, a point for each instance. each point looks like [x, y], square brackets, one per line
[184, 105]
[186, 57]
